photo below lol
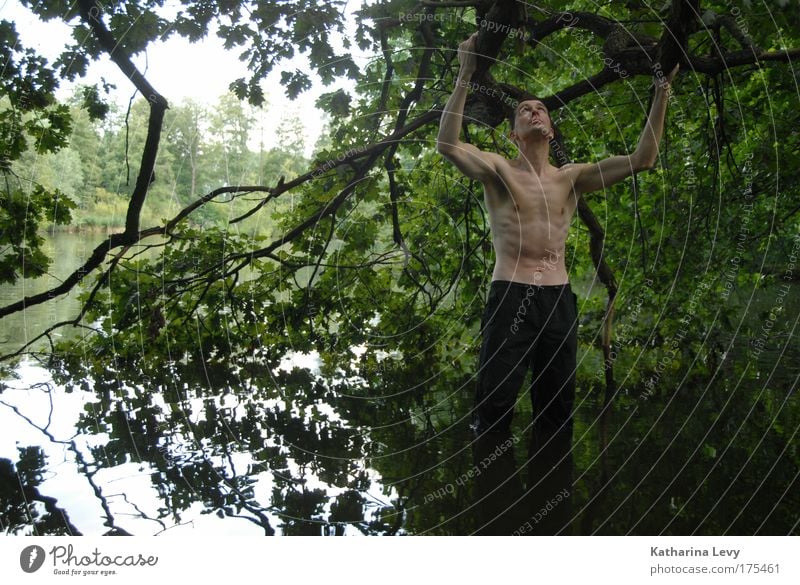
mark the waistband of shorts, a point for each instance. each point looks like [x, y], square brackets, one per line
[513, 284]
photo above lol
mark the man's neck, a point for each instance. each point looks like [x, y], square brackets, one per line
[534, 155]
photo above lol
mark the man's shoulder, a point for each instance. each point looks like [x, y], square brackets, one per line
[573, 167]
[498, 163]
[495, 157]
[572, 170]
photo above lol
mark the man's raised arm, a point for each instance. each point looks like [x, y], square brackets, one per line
[471, 161]
[591, 177]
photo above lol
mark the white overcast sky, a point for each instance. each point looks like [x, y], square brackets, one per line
[178, 70]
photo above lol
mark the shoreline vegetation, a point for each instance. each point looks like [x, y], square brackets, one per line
[204, 147]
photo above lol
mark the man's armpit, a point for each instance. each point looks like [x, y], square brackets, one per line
[573, 171]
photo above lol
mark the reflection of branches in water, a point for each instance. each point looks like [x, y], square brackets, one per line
[70, 444]
[294, 492]
[19, 491]
[261, 519]
[227, 482]
[245, 502]
[140, 513]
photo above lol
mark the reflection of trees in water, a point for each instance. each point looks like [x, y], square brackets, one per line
[240, 450]
[296, 454]
[21, 502]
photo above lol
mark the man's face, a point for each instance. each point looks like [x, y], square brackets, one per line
[532, 115]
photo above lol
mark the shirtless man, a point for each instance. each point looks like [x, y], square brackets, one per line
[530, 319]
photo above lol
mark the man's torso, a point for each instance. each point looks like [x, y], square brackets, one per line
[530, 217]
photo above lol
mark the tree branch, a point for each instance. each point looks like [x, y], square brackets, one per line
[91, 13]
[716, 65]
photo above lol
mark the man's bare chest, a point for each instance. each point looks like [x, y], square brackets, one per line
[519, 192]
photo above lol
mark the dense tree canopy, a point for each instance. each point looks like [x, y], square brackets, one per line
[380, 264]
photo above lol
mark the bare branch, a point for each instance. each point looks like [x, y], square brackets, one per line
[716, 65]
[599, 25]
[90, 12]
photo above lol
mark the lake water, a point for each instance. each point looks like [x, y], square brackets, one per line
[68, 250]
[253, 451]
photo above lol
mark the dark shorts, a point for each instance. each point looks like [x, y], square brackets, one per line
[527, 326]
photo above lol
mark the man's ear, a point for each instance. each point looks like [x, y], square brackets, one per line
[512, 136]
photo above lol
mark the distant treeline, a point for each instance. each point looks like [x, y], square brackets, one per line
[203, 148]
